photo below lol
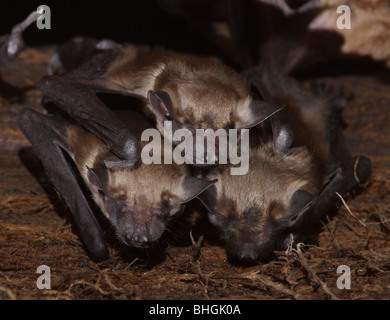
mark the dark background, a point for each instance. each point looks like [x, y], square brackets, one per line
[141, 21]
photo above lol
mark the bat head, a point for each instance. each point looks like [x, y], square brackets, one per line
[255, 212]
[140, 202]
[210, 105]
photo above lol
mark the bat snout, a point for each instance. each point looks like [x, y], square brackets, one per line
[250, 249]
[247, 254]
[142, 235]
[136, 240]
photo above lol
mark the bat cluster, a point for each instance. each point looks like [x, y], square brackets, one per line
[298, 159]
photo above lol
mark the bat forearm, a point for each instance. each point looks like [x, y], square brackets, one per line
[85, 107]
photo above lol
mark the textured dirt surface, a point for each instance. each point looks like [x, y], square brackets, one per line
[34, 230]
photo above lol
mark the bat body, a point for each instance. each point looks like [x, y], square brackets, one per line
[285, 194]
[191, 92]
[298, 158]
[138, 201]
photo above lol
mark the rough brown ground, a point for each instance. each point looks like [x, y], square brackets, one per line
[33, 230]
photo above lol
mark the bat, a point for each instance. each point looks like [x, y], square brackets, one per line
[139, 202]
[186, 90]
[191, 92]
[11, 45]
[285, 194]
[195, 92]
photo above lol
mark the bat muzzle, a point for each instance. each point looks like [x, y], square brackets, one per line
[250, 249]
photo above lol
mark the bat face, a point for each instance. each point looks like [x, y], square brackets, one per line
[138, 201]
[255, 212]
[139, 207]
[208, 117]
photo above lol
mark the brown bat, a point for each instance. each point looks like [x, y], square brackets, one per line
[285, 194]
[138, 201]
[190, 91]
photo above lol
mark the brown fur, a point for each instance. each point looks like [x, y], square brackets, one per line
[137, 184]
[138, 201]
[204, 92]
[272, 177]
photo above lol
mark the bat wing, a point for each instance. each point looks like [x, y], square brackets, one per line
[48, 136]
[346, 178]
[75, 93]
[345, 171]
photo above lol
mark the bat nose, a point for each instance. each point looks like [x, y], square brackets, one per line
[137, 239]
[247, 256]
[142, 235]
[251, 252]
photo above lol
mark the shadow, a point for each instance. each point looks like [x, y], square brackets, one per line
[11, 93]
[145, 258]
[193, 222]
[347, 65]
[247, 263]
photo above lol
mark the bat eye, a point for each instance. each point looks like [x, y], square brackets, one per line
[101, 192]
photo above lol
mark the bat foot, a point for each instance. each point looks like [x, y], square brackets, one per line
[14, 43]
[98, 253]
[106, 44]
[283, 139]
[362, 169]
[294, 7]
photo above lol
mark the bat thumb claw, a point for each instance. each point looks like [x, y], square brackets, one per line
[362, 169]
[117, 164]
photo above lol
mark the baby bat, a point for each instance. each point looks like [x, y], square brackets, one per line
[285, 194]
[138, 201]
[192, 92]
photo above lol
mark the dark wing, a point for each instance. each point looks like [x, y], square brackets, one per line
[75, 93]
[48, 136]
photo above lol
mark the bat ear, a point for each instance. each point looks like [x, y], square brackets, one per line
[98, 177]
[254, 113]
[300, 203]
[160, 104]
[192, 187]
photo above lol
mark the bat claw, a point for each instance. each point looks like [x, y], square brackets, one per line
[117, 164]
[362, 169]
